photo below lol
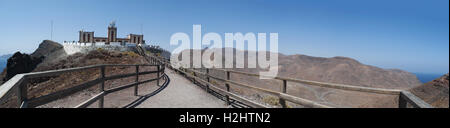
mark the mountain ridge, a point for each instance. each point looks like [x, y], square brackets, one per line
[339, 69]
[435, 92]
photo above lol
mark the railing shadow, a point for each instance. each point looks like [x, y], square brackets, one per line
[405, 97]
[143, 98]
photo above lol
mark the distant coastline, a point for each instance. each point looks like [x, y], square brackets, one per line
[2, 65]
[427, 77]
[4, 61]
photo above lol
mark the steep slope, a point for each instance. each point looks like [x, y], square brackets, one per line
[435, 92]
[341, 70]
[344, 70]
[42, 86]
[47, 52]
[46, 85]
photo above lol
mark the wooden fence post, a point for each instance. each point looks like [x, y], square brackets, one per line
[137, 80]
[207, 79]
[402, 103]
[157, 79]
[283, 90]
[22, 94]
[195, 75]
[228, 88]
[102, 86]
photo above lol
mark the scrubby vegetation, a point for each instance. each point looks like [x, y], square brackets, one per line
[158, 51]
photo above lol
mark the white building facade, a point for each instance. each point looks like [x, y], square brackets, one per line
[89, 37]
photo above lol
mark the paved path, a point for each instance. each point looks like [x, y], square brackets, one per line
[181, 93]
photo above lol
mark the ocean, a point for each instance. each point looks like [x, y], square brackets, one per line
[424, 77]
[4, 61]
[2, 65]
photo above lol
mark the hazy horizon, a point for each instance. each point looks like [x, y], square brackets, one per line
[408, 35]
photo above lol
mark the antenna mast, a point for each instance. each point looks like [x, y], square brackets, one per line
[142, 33]
[51, 31]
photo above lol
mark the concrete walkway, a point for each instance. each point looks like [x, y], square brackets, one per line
[181, 93]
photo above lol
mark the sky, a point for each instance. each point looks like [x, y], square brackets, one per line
[411, 35]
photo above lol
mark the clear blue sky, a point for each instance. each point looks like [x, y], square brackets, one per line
[405, 34]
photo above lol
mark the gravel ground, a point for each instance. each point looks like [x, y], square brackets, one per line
[180, 93]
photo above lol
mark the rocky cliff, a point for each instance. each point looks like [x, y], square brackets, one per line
[341, 70]
[47, 52]
[20, 63]
[46, 85]
[344, 70]
[435, 92]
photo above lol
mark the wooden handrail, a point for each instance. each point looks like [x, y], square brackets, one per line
[326, 85]
[404, 96]
[19, 81]
[407, 97]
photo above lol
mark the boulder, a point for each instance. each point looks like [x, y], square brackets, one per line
[21, 63]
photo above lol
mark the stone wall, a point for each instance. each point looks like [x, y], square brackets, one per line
[72, 48]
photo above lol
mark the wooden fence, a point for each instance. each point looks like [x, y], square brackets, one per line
[19, 81]
[18, 84]
[404, 97]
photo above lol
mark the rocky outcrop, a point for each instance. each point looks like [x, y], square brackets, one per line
[435, 92]
[51, 51]
[47, 48]
[341, 70]
[47, 52]
[21, 63]
[344, 70]
[45, 85]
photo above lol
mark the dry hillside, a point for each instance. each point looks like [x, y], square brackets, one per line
[43, 86]
[340, 70]
[434, 92]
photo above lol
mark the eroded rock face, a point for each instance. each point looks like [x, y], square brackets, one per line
[435, 92]
[46, 48]
[21, 63]
[24, 63]
[340, 70]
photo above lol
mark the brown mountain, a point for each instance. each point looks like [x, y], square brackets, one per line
[48, 51]
[45, 85]
[344, 70]
[434, 92]
[341, 70]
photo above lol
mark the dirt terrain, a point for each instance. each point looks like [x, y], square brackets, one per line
[435, 92]
[334, 70]
[340, 70]
[182, 93]
[42, 86]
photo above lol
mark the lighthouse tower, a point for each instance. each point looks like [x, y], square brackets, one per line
[112, 32]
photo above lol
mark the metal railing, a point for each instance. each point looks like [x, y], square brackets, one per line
[19, 83]
[405, 97]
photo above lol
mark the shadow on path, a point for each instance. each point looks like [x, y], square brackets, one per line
[145, 97]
